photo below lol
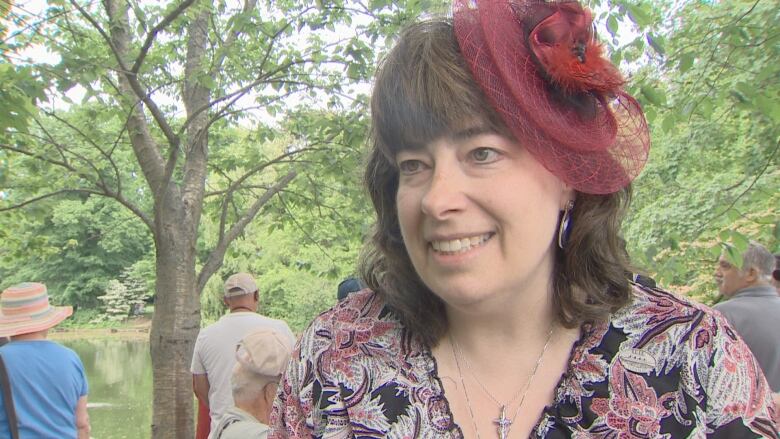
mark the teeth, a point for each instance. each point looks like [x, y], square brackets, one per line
[459, 245]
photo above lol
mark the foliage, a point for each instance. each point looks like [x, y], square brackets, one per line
[73, 245]
[321, 221]
[124, 298]
[147, 98]
[172, 126]
[87, 318]
[709, 85]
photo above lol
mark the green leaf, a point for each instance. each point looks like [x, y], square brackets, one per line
[654, 95]
[207, 81]
[650, 114]
[714, 251]
[639, 14]
[733, 256]
[686, 62]
[740, 241]
[705, 107]
[612, 25]
[657, 43]
[746, 89]
[770, 107]
[669, 122]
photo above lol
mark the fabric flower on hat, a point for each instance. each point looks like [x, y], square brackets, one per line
[563, 42]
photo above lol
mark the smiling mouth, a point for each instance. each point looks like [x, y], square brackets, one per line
[460, 245]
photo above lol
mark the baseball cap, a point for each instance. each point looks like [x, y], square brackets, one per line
[265, 352]
[240, 284]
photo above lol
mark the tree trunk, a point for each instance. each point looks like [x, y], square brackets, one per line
[176, 321]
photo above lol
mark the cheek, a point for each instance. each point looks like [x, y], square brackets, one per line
[407, 207]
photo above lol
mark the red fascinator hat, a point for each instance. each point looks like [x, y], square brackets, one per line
[543, 71]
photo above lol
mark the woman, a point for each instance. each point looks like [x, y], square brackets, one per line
[498, 301]
[47, 380]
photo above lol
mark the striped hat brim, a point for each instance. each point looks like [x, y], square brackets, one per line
[18, 325]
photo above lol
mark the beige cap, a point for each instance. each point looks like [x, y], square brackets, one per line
[240, 284]
[265, 352]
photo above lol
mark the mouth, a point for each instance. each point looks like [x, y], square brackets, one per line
[460, 245]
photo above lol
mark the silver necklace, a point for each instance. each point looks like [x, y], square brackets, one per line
[503, 424]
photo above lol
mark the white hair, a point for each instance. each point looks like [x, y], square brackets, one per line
[758, 257]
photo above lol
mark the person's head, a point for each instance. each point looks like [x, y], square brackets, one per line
[261, 357]
[776, 273]
[458, 164]
[757, 266]
[25, 311]
[241, 292]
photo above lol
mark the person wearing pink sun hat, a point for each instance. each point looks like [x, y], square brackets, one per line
[47, 380]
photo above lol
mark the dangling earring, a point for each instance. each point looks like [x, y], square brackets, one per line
[565, 225]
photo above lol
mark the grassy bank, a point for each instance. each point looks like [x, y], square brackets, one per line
[92, 324]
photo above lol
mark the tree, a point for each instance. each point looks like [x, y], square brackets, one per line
[710, 89]
[75, 244]
[124, 297]
[223, 64]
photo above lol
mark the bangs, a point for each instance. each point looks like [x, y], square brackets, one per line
[424, 90]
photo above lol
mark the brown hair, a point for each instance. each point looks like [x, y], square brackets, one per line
[423, 90]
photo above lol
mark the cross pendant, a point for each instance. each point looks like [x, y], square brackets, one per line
[502, 423]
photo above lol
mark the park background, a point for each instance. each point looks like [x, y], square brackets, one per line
[158, 147]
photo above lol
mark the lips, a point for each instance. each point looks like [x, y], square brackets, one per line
[460, 245]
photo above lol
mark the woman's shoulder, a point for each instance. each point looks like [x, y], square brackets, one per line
[666, 323]
[361, 323]
[655, 304]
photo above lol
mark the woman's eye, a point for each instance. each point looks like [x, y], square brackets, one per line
[484, 155]
[410, 166]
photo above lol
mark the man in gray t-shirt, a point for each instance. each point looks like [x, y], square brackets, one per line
[215, 349]
[753, 307]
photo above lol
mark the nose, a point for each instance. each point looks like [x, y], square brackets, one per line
[445, 192]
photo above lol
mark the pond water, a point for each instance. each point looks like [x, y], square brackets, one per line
[120, 386]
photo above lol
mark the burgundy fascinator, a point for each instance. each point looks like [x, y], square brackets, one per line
[543, 70]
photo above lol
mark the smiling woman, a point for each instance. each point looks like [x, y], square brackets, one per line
[499, 303]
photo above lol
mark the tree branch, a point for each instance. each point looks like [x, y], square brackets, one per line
[216, 257]
[152, 35]
[119, 42]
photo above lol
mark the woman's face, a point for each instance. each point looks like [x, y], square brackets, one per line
[478, 215]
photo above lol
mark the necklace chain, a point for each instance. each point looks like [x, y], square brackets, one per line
[503, 424]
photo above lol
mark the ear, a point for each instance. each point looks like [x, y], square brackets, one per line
[751, 275]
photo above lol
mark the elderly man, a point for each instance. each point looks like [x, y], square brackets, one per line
[753, 307]
[261, 357]
[214, 356]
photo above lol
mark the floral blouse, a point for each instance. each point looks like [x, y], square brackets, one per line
[662, 367]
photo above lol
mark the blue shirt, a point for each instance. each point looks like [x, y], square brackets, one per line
[47, 380]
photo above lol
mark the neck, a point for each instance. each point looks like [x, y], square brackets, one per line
[258, 409]
[241, 309]
[39, 335]
[746, 286]
[523, 319]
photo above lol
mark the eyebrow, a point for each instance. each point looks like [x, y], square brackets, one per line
[472, 131]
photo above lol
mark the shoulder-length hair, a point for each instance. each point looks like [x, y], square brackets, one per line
[423, 90]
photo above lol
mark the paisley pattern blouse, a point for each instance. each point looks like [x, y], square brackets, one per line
[662, 367]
